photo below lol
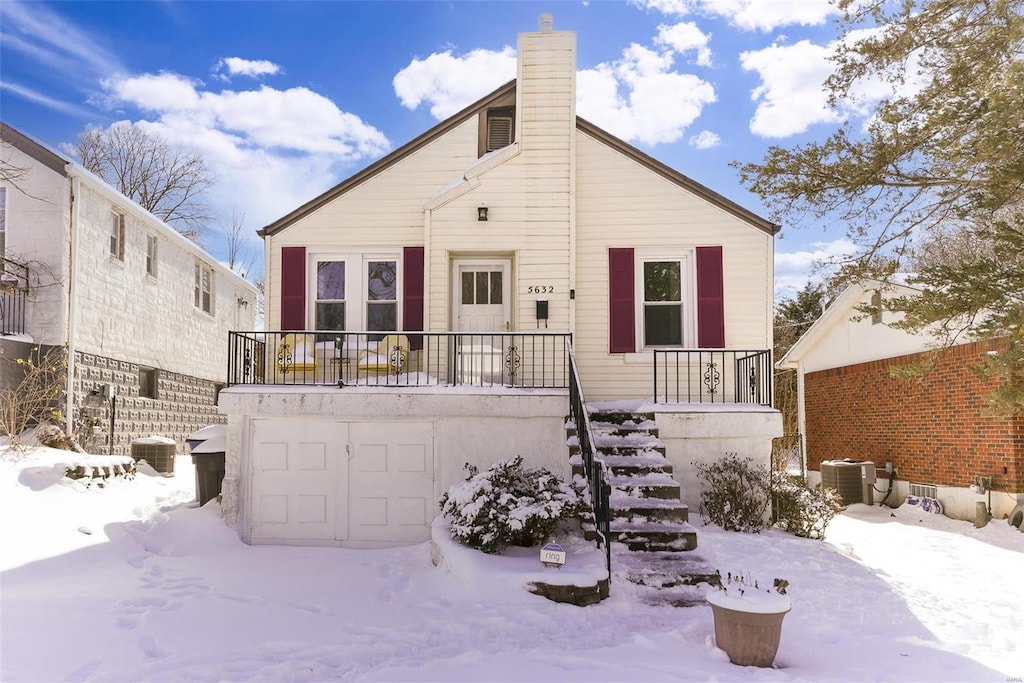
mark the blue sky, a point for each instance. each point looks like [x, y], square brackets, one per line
[286, 99]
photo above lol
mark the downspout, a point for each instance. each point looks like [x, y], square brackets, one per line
[69, 410]
[801, 418]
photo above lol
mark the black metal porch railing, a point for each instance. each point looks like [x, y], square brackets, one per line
[712, 376]
[508, 359]
[13, 296]
[599, 488]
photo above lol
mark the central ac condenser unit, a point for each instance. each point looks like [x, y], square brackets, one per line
[854, 480]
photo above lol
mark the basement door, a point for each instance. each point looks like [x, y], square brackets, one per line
[319, 482]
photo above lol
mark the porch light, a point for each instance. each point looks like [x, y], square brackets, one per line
[481, 212]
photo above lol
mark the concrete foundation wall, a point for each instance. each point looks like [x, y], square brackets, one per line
[476, 428]
[183, 405]
[704, 435]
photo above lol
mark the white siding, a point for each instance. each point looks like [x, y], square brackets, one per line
[624, 204]
[385, 211]
[852, 338]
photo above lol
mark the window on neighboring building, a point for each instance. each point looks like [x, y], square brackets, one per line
[117, 235]
[663, 307]
[148, 380]
[151, 243]
[3, 221]
[204, 287]
[330, 295]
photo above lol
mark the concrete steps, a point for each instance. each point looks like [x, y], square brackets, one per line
[653, 541]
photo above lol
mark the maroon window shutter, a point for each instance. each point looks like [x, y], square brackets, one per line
[293, 288]
[621, 304]
[412, 298]
[710, 299]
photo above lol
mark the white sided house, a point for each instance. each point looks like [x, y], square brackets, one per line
[456, 300]
[142, 311]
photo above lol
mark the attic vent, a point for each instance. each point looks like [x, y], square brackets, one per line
[499, 132]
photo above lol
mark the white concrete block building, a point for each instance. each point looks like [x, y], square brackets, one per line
[142, 311]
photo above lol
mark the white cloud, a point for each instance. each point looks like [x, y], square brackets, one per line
[45, 100]
[795, 269]
[449, 83]
[750, 15]
[236, 66]
[685, 37]
[791, 97]
[270, 150]
[705, 140]
[639, 98]
[40, 33]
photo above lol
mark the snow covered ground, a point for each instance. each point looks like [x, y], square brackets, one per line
[134, 582]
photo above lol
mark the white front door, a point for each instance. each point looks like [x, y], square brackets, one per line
[482, 297]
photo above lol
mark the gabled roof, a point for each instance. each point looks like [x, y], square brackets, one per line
[391, 159]
[498, 96]
[28, 146]
[840, 310]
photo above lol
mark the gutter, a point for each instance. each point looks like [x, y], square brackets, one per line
[69, 411]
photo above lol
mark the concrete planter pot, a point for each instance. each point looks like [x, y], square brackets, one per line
[749, 630]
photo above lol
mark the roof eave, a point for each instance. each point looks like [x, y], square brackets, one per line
[387, 160]
[678, 178]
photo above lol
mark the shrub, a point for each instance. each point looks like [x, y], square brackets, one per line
[36, 398]
[508, 505]
[735, 493]
[800, 509]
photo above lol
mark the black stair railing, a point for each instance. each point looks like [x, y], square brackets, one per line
[599, 488]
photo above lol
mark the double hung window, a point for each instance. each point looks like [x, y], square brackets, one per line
[204, 287]
[664, 298]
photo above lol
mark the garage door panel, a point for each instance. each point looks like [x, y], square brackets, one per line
[371, 457]
[312, 457]
[294, 479]
[391, 484]
[272, 456]
[411, 457]
[411, 511]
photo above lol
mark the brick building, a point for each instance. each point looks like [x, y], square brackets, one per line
[868, 391]
[142, 312]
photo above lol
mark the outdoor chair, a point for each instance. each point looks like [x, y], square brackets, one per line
[390, 356]
[296, 358]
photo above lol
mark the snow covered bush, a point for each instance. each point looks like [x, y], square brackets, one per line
[800, 509]
[735, 493]
[507, 504]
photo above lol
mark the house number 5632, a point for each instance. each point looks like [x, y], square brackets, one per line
[540, 289]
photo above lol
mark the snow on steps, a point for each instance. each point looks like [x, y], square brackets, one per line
[645, 507]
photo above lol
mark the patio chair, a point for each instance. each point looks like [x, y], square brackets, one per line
[390, 356]
[296, 357]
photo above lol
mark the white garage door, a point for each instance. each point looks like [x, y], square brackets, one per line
[363, 483]
[295, 477]
[391, 482]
